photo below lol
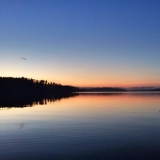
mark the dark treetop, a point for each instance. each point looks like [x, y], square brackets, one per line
[23, 86]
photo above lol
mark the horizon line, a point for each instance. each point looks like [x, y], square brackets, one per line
[96, 86]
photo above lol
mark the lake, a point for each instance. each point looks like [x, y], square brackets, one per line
[87, 126]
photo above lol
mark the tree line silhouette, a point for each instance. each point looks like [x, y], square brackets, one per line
[102, 89]
[13, 87]
[27, 87]
[22, 92]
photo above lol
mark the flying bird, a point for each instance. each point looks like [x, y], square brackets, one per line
[23, 58]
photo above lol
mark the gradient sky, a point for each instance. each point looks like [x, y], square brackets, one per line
[81, 42]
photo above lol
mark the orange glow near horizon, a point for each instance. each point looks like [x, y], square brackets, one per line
[125, 84]
[103, 81]
[87, 80]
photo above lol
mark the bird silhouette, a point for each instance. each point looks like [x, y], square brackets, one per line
[23, 58]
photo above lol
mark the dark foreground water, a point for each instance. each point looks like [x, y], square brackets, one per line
[85, 127]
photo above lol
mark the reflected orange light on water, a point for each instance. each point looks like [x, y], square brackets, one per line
[115, 100]
[86, 104]
[106, 103]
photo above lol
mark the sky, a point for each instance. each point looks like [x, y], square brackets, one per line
[81, 42]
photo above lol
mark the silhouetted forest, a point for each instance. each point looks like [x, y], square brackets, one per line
[102, 89]
[22, 92]
[24, 86]
[114, 89]
[10, 86]
[144, 90]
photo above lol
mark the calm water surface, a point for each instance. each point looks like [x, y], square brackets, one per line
[87, 127]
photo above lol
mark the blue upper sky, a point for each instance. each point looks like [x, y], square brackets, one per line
[81, 42]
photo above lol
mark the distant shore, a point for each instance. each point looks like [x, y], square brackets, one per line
[24, 87]
[114, 89]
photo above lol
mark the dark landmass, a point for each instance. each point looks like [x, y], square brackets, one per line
[24, 87]
[102, 89]
[10, 86]
[23, 92]
[156, 89]
[144, 89]
[114, 89]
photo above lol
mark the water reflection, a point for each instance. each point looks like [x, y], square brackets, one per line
[90, 126]
[29, 101]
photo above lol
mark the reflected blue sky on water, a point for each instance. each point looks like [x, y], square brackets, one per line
[84, 127]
